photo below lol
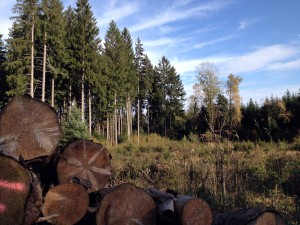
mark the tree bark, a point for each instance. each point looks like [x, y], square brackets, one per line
[52, 91]
[126, 204]
[192, 211]
[29, 128]
[16, 195]
[250, 216]
[44, 67]
[32, 57]
[90, 111]
[85, 160]
[66, 204]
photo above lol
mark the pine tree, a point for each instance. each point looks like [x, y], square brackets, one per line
[20, 47]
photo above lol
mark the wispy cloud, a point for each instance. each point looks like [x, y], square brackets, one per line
[116, 12]
[246, 23]
[215, 41]
[177, 12]
[267, 58]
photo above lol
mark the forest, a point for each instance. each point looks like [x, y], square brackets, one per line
[56, 55]
[109, 91]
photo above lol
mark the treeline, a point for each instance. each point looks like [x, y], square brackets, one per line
[56, 55]
[111, 88]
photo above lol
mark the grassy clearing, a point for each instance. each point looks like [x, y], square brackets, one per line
[228, 175]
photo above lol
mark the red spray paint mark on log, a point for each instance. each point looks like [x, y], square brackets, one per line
[16, 186]
[2, 208]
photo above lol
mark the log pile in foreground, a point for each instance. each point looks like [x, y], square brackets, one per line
[41, 184]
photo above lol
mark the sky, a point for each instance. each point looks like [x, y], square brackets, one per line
[257, 40]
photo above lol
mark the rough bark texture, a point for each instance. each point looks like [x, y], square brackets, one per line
[165, 205]
[14, 191]
[66, 204]
[86, 160]
[192, 211]
[126, 204]
[29, 127]
[250, 216]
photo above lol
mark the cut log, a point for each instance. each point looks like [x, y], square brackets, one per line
[165, 205]
[252, 216]
[65, 204]
[86, 160]
[14, 191]
[29, 127]
[126, 204]
[192, 211]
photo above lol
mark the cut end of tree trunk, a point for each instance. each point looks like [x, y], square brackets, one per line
[193, 211]
[29, 128]
[86, 160]
[126, 204]
[65, 204]
[252, 216]
[14, 191]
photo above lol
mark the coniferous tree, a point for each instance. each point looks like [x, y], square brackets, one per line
[53, 34]
[20, 47]
[86, 48]
[168, 98]
[3, 84]
[131, 78]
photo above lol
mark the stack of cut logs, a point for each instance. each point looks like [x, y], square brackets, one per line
[42, 184]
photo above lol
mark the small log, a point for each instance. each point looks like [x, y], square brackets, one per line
[126, 204]
[252, 216]
[165, 204]
[14, 190]
[29, 127]
[65, 204]
[85, 160]
[192, 211]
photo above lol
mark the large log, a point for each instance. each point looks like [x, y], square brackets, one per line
[126, 204]
[252, 216]
[29, 128]
[86, 160]
[65, 204]
[20, 195]
[192, 211]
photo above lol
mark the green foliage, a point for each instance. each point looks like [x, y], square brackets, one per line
[73, 127]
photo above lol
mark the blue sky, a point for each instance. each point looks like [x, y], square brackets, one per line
[258, 40]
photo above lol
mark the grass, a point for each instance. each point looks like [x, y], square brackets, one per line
[228, 175]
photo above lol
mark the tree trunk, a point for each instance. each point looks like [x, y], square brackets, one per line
[192, 211]
[165, 205]
[90, 111]
[32, 57]
[250, 216]
[65, 204]
[52, 91]
[44, 67]
[126, 204]
[16, 195]
[82, 97]
[29, 127]
[85, 160]
[115, 122]
[138, 122]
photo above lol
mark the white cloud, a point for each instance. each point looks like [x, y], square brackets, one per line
[211, 42]
[114, 12]
[246, 23]
[177, 12]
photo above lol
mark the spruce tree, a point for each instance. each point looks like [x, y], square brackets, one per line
[3, 84]
[20, 47]
[53, 34]
[168, 99]
[86, 48]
